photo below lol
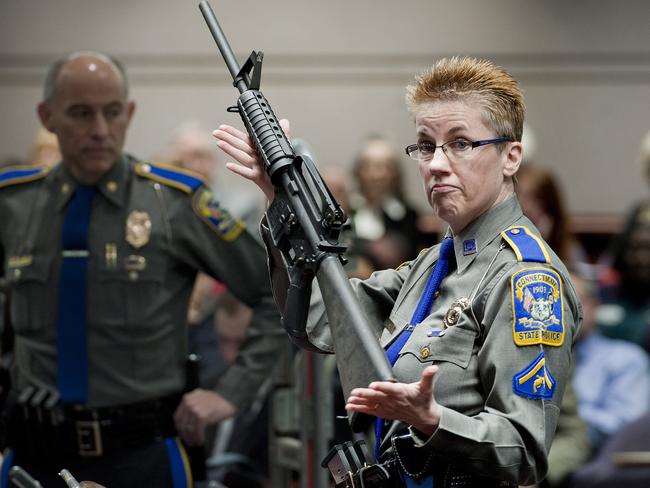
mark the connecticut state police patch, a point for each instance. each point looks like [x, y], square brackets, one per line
[537, 308]
[217, 217]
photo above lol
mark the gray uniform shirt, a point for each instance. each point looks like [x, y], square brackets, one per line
[485, 427]
[137, 293]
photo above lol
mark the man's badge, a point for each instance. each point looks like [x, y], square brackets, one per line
[217, 217]
[452, 316]
[534, 381]
[537, 307]
[138, 228]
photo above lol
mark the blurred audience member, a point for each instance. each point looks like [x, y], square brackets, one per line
[380, 209]
[629, 274]
[240, 450]
[337, 180]
[231, 321]
[612, 377]
[45, 149]
[632, 253]
[193, 148]
[542, 201]
[206, 297]
[622, 462]
[366, 252]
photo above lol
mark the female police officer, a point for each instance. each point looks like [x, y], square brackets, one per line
[497, 332]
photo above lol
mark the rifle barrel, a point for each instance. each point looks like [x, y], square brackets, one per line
[223, 45]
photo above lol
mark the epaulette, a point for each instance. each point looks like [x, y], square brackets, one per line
[406, 263]
[14, 175]
[169, 175]
[526, 245]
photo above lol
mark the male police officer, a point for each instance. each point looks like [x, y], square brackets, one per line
[101, 253]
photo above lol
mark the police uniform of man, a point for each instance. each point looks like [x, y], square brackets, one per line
[99, 311]
[490, 313]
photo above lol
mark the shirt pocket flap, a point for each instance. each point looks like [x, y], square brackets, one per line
[454, 346]
[135, 269]
[37, 269]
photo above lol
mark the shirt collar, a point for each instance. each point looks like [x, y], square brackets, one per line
[112, 185]
[475, 237]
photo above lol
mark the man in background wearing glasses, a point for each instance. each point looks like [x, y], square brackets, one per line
[490, 314]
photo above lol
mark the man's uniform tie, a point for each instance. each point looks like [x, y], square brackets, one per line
[72, 349]
[421, 312]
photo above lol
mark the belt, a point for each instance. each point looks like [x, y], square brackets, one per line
[94, 432]
[444, 475]
[418, 464]
[405, 465]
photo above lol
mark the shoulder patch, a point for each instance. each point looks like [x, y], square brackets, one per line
[14, 175]
[217, 217]
[170, 175]
[403, 265]
[535, 380]
[537, 308]
[526, 245]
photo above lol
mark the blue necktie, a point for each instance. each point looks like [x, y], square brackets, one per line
[421, 312]
[72, 353]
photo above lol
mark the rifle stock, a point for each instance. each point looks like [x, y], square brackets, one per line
[305, 222]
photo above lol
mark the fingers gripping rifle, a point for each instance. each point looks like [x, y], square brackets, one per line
[305, 222]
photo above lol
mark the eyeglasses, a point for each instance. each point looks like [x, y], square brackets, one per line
[456, 149]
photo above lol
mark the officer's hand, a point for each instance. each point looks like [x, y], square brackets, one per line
[238, 146]
[90, 484]
[413, 403]
[198, 409]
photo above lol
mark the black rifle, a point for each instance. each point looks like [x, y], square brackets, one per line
[305, 221]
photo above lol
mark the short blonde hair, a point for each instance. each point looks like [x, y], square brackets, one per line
[458, 78]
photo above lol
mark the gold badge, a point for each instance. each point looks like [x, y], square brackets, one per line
[138, 228]
[455, 311]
